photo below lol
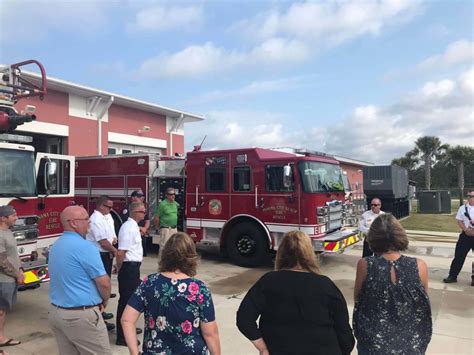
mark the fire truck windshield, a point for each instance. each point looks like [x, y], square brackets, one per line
[17, 173]
[320, 177]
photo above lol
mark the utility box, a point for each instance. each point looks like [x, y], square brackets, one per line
[445, 201]
[429, 202]
[389, 181]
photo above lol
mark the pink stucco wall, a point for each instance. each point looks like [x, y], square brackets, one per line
[82, 138]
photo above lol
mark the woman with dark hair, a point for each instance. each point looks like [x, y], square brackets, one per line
[392, 313]
[301, 311]
[179, 313]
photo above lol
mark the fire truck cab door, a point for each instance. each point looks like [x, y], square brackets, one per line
[55, 188]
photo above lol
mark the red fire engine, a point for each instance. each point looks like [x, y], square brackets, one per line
[242, 200]
[37, 186]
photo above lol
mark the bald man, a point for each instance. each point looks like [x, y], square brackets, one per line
[366, 220]
[79, 288]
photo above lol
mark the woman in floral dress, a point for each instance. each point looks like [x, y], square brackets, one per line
[178, 308]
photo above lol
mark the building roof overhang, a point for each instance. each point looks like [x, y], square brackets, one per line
[82, 90]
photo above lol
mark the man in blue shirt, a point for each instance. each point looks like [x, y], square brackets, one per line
[79, 288]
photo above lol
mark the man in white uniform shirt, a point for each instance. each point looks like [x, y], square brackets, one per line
[129, 258]
[366, 220]
[465, 221]
[103, 235]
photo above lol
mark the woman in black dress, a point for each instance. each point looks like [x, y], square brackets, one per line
[392, 312]
[300, 310]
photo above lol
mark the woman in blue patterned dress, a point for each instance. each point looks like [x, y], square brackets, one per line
[392, 312]
[178, 308]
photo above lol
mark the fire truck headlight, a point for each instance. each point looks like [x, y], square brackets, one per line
[317, 245]
[19, 236]
[321, 211]
[322, 219]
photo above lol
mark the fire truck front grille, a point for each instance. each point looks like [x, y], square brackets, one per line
[335, 215]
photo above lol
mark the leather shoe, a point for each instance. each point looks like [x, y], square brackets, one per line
[113, 295]
[109, 326]
[139, 330]
[450, 280]
[122, 342]
[107, 316]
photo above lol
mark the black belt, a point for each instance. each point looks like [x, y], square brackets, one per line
[172, 227]
[132, 262]
[78, 308]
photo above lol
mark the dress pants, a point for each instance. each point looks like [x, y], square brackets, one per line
[128, 281]
[463, 245]
[107, 261]
[366, 251]
[79, 331]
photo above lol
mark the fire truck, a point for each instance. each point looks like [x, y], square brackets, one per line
[38, 185]
[241, 200]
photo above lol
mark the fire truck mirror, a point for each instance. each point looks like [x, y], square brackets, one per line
[50, 176]
[287, 176]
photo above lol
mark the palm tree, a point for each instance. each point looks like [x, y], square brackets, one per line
[431, 150]
[459, 156]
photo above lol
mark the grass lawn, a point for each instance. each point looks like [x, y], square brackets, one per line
[432, 222]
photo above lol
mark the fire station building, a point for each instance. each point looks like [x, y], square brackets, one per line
[77, 120]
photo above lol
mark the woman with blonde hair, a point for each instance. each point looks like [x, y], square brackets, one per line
[300, 310]
[179, 313]
[392, 312]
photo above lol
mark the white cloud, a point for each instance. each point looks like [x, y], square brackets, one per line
[252, 89]
[466, 83]
[200, 60]
[279, 37]
[438, 89]
[380, 134]
[332, 22]
[370, 133]
[34, 20]
[160, 18]
[458, 52]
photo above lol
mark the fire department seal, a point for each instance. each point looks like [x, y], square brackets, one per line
[215, 207]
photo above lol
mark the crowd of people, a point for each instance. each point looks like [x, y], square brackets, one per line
[292, 310]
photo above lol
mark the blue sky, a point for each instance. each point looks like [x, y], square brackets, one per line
[362, 79]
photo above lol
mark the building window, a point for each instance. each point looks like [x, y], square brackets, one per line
[242, 178]
[126, 151]
[215, 179]
[111, 151]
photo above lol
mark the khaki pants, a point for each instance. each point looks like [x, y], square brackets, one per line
[79, 331]
[165, 234]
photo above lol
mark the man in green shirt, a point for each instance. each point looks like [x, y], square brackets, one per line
[166, 218]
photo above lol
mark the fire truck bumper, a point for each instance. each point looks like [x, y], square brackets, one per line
[336, 242]
[35, 272]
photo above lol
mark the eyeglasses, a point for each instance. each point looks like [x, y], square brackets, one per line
[78, 219]
[140, 212]
[469, 196]
[109, 207]
[170, 194]
[374, 205]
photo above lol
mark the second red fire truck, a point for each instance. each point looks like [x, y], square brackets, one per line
[242, 200]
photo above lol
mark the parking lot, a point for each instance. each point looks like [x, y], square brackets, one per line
[452, 305]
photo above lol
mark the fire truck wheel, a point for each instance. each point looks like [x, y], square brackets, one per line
[247, 245]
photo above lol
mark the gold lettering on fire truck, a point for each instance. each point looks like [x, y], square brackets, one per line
[51, 220]
[279, 209]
